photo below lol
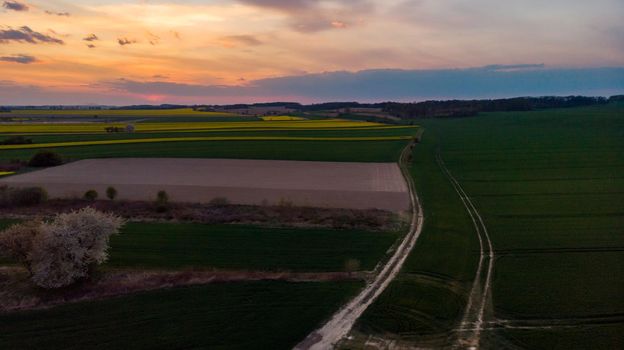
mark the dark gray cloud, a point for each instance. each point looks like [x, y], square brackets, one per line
[318, 15]
[15, 6]
[62, 14]
[153, 39]
[514, 66]
[23, 59]
[244, 40]
[91, 37]
[12, 93]
[400, 85]
[284, 5]
[174, 89]
[126, 41]
[25, 34]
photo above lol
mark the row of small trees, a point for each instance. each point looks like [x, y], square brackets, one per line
[162, 198]
[111, 193]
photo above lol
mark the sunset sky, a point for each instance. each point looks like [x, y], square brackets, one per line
[222, 51]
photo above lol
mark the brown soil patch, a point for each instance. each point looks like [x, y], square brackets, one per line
[252, 182]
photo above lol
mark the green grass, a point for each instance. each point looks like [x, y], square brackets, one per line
[354, 151]
[549, 185]
[550, 188]
[257, 315]
[174, 246]
[608, 336]
[428, 298]
[413, 308]
[346, 132]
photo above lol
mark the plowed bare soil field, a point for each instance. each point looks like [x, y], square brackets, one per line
[319, 184]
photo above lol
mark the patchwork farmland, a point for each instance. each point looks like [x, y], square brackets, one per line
[543, 188]
[310, 260]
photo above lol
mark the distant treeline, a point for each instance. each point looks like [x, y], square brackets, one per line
[467, 108]
[140, 107]
[450, 108]
[426, 109]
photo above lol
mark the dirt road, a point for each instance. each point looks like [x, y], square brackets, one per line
[328, 335]
[480, 294]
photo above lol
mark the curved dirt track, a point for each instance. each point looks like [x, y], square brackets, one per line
[329, 334]
[473, 320]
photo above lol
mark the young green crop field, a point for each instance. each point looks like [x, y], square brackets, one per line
[172, 246]
[340, 151]
[258, 315]
[550, 189]
[238, 247]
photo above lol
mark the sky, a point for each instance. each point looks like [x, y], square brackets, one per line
[232, 51]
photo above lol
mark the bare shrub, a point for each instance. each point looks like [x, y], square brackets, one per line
[352, 265]
[162, 201]
[285, 203]
[18, 197]
[59, 252]
[219, 201]
[111, 193]
[91, 195]
[45, 158]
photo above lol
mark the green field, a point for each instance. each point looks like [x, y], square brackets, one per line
[345, 132]
[237, 247]
[256, 315]
[550, 188]
[425, 303]
[172, 246]
[354, 151]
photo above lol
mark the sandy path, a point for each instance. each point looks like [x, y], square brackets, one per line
[329, 334]
[473, 319]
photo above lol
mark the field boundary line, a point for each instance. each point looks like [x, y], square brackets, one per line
[473, 319]
[341, 323]
[195, 139]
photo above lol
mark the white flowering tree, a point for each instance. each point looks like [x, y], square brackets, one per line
[65, 249]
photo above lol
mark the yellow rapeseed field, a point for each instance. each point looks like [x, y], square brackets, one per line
[281, 118]
[57, 128]
[207, 138]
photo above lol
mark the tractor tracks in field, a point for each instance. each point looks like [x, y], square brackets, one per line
[334, 330]
[473, 323]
